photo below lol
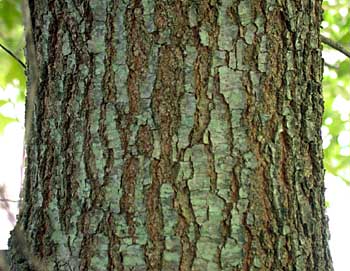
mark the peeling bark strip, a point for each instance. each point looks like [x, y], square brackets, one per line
[174, 135]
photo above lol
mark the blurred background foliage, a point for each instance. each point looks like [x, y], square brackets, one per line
[12, 78]
[336, 83]
[336, 90]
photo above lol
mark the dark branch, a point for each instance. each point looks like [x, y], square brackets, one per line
[335, 45]
[9, 200]
[13, 55]
[331, 66]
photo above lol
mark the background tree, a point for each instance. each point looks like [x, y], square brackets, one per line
[174, 135]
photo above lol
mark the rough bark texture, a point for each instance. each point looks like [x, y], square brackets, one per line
[175, 135]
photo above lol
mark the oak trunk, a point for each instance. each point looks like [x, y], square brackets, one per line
[174, 135]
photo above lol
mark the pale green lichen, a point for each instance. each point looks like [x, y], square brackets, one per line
[145, 170]
[199, 205]
[290, 61]
[47, 20]
[223, 184]
[206, 249]
[241, 48]
[148, 14]
[166, 196]
[226, 36]
[231, 254]
[211, 228]
[262, 62]
[188, 108]
[245, 12]
[204, 36]
[260, 23]
[190, 58]
[231, 88]
[242, 205]
[263, 44]
[200, 164]
[172, 257]
[164, 36]
[99, 261]
[255, 79]
[121, 228]
[192, 14]
[236, 115]
[147, 85]
[250, 33]
[256, 262]
[66, 50]
[121, 77]
[141, 232]
[156, 145]
[213, 266]
[232, 60]
[120, 34]
[96, 44]
[228, 28]
[250, 160]
[210, 92]
[230, 79]
[219, 58]
[206, 137]
[185, 171]
[216, 206]
[99, 10]
[172, 242]
[240, 140]
[291, 8]
[133, 256]
[219, 131]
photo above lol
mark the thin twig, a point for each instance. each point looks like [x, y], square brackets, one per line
[9, 200]
[335, 45]
[13, 55]
[331, 66]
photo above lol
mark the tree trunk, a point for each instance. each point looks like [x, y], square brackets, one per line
[174, 135]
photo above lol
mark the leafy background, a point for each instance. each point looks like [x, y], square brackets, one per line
[12, 76]
[336, 90]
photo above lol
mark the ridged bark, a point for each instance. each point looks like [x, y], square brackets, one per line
[174, 135]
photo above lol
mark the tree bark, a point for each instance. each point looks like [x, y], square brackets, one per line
[174, 135]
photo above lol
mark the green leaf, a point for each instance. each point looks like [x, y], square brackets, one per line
[345, 39]
[3, 102]
[344, 68]
[10, 13]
